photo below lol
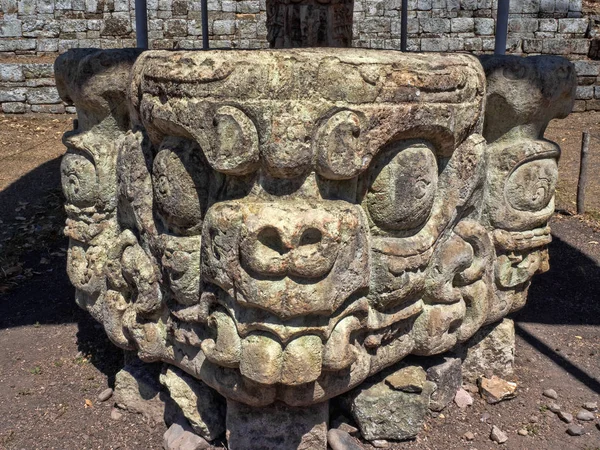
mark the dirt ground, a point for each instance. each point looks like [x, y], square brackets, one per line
[54, 359]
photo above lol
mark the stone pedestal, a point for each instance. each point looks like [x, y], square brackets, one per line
[277, 427]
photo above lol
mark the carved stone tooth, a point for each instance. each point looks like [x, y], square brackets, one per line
[227, 349]
[302, 360]
[261, 359]
[338, 353]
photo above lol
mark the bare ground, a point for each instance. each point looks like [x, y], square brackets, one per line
[54, 359]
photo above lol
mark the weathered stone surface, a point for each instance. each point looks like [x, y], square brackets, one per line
[277, 426]
[137, 390]
[495, 389]
[43, 95]
[11, 72]
[14, 108]
[385, 413]
[497, 435]
[201, 406]
[463, 399]
[407, 379]
[491, 351]
[282, 226]
[340, 440]
[447, 376]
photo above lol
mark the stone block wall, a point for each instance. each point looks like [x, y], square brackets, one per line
[29, 87]
[50, 27]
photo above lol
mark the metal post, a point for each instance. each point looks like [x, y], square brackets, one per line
[204, 16]
[141, 24]
[403, 25]
[583, 164]
[501, 27]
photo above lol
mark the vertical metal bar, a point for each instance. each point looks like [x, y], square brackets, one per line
[501, 27]
[141, 24]
[583, 165]
[403, 25]
[204, 16]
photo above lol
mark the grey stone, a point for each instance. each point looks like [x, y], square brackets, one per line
[554, 407]
[435, 25]
[340, 440]
[11, 72]
[10, 28]
[38, 70]
[497, 435]
[565, 416]
[11, 45]
[14, 107]
[12, 94]
[380, 443]
[573, 26]
[277, 426]
[484, 26]
[490, 350]
[43, 95]
[105, 395]
[447, 376]
[587, 68]
[550, 393]
[384, 413]
[550, 25]
[584, 92]
[408, 379]
[462, 25]
[201, 405]
[591, 406]
[586, 415]
[137, 390]
[575, 430]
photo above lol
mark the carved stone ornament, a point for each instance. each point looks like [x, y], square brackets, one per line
[283, 225]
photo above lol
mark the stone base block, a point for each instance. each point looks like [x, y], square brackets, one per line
[277, 427]
[137, 390]
[384, 412]
[491, 351]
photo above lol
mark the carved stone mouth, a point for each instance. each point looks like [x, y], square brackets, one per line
[508, 241]
[272, 352]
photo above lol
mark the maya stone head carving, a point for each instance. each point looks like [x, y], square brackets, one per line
[281, 225]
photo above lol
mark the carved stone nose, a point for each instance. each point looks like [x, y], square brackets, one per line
[292, 258]
[292, 248]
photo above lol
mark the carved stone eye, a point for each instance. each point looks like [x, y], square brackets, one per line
[234, 149]
[531, 186]
[180, 178]
[340, 155]
[78, 179]
[403, 189]
[515, 72]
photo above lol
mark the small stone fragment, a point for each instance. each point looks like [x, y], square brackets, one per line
[380, 443]
[497, 435]
[469, 436]
[342, 423]
[447, 376]
[407, 379]
[188, 441]
[522, 432]
[105, 395]
[533, 419]
[340, 440]
[115, 414]
[550, 393]
[565, 416]
[586, 415]
[495, 389]
[590, 406]
[485, 417]
[575, 430]
[554, 407]
[463, 398]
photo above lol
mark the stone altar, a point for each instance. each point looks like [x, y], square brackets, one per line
[281, 228]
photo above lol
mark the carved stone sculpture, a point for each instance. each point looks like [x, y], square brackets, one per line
[283, 225]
